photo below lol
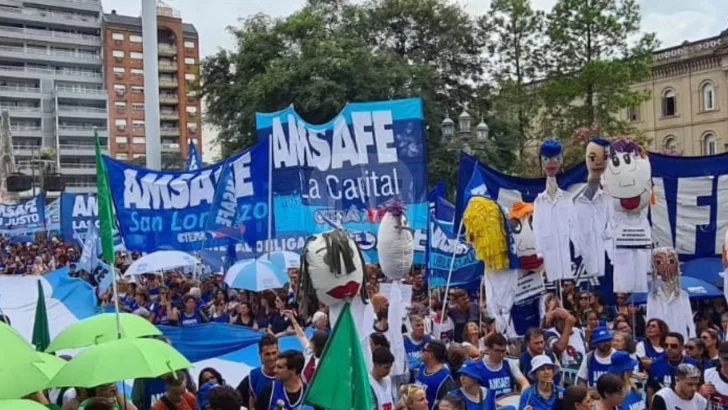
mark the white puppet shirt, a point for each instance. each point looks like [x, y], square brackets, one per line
[675, 310]
[551, 232]
[500, 292]
[631, 265]
[590, 231]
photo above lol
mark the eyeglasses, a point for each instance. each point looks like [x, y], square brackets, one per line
[672, 346]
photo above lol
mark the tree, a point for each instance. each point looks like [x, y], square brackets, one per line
[513, 32]
[591, 66]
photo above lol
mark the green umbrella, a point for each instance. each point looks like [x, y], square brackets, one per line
[101, 329]
[22, 380]
[41, 331]
[21, 405]
[118, 360]
[15, 349]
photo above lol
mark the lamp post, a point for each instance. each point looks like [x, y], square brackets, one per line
[464, 132]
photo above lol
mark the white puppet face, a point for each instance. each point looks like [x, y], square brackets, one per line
[331, 286]
[628, 177]
[522, 229]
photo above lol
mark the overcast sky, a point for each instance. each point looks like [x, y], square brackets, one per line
[674, 21]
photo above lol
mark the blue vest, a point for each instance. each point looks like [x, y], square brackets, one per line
[488, 402]
[154, 389]
[162, 316]
[186, 320]
[531, 398]
[594, 369]
[663, 372]
[651, 352]
[414, 351]
[259, 381]
[633, 401]
[499, 382]
[278, 395]
[432, 383]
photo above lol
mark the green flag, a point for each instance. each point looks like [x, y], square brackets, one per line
[41, 331]
[341, 381]
[106, 215]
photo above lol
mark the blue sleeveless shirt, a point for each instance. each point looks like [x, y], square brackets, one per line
[633, 401]
[259, 381]
[488, 402]
[651, 352]
[432, 383]
[500, 382]
[186, 320]
[414, 350]
[278, 396]
[594, 369]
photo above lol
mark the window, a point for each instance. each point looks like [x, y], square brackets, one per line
[118, 87]
[120, 105]
[119, 72]
[137, 72]
[138, 106]
[710, 144]
[138, 123]
[135, 39]
[190, 77]
[189, 44]
[137, 89]
[708, 92]
[189, 60]
[122, 140]
[135, 55]
[633, 113]
[138, 155]
[122, 156]
[191, 109]
[118, 36]
[118, 53]
[669, 103]
[120, 123]
[139, 140]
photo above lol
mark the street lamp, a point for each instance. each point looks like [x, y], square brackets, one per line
[448, 127]
[465, 133]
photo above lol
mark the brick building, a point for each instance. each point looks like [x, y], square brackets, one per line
[180, 111]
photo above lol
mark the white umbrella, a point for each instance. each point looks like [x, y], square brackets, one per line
[160, 261]
[284, 259]
[256, 276]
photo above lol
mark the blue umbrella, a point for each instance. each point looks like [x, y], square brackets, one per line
[707, 269]
[256, 275]
[20, 239]
[696, 289]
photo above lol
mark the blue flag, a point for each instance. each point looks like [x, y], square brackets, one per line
[193, 158]
[90, 252]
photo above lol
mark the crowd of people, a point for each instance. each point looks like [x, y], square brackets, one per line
[585, 355]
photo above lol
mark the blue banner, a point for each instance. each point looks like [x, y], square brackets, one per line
[53, 216]
[78, 211]
[467, 270]
[346, 169]
[169, 210]
[28, 216]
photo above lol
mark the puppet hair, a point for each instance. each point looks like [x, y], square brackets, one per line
[551, 148]
[395, 207]
[337, 248]
[485, 228]
[521, 210]
[600, 141]
[627, 146]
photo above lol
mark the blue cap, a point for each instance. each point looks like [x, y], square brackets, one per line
[601, 335]
[470, 369]
[203, 394]
[622, 362]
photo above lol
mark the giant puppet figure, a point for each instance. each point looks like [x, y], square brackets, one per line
[530, 264]
[667, 300]
[553, 210]
[486, 228]
[592, 211]
[628, 180]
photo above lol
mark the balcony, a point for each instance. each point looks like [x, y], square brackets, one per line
[51, 18]
[81, 112]
[168, 83]
[48, 74]
[80, 187]
[81, 131]
[167, 50]
[167, 67]
[169, 116]
[25, 150]
[168, 99]
[171, 148]
[19, 91]
[81, 93]
[49, 55]
[87, 5]
[77, 169]
[51, 36]
[22, 112]
[169, 132]
[79, 150]
[26, 131]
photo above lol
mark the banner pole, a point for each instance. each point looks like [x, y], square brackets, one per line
[449, 274]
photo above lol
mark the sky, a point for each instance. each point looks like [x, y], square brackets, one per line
[674, 21]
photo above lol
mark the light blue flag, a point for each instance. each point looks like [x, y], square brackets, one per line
[194, 162]
[90, 252]
[103, 277]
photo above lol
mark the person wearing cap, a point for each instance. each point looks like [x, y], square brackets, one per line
[683, 395]
[471, 391]
[716, 379]
[544, 394]
[433, 374]
[597, 361]
[623, 365]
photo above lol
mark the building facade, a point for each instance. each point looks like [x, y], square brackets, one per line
[180, 113]
[51, 84]
[687, 113]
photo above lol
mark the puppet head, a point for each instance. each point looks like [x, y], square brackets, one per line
[666, 266]
[521, 222]
[395, 242]
[485, 228]
[552, 157]
[597, 155]
[628, 177]
[332, 271]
